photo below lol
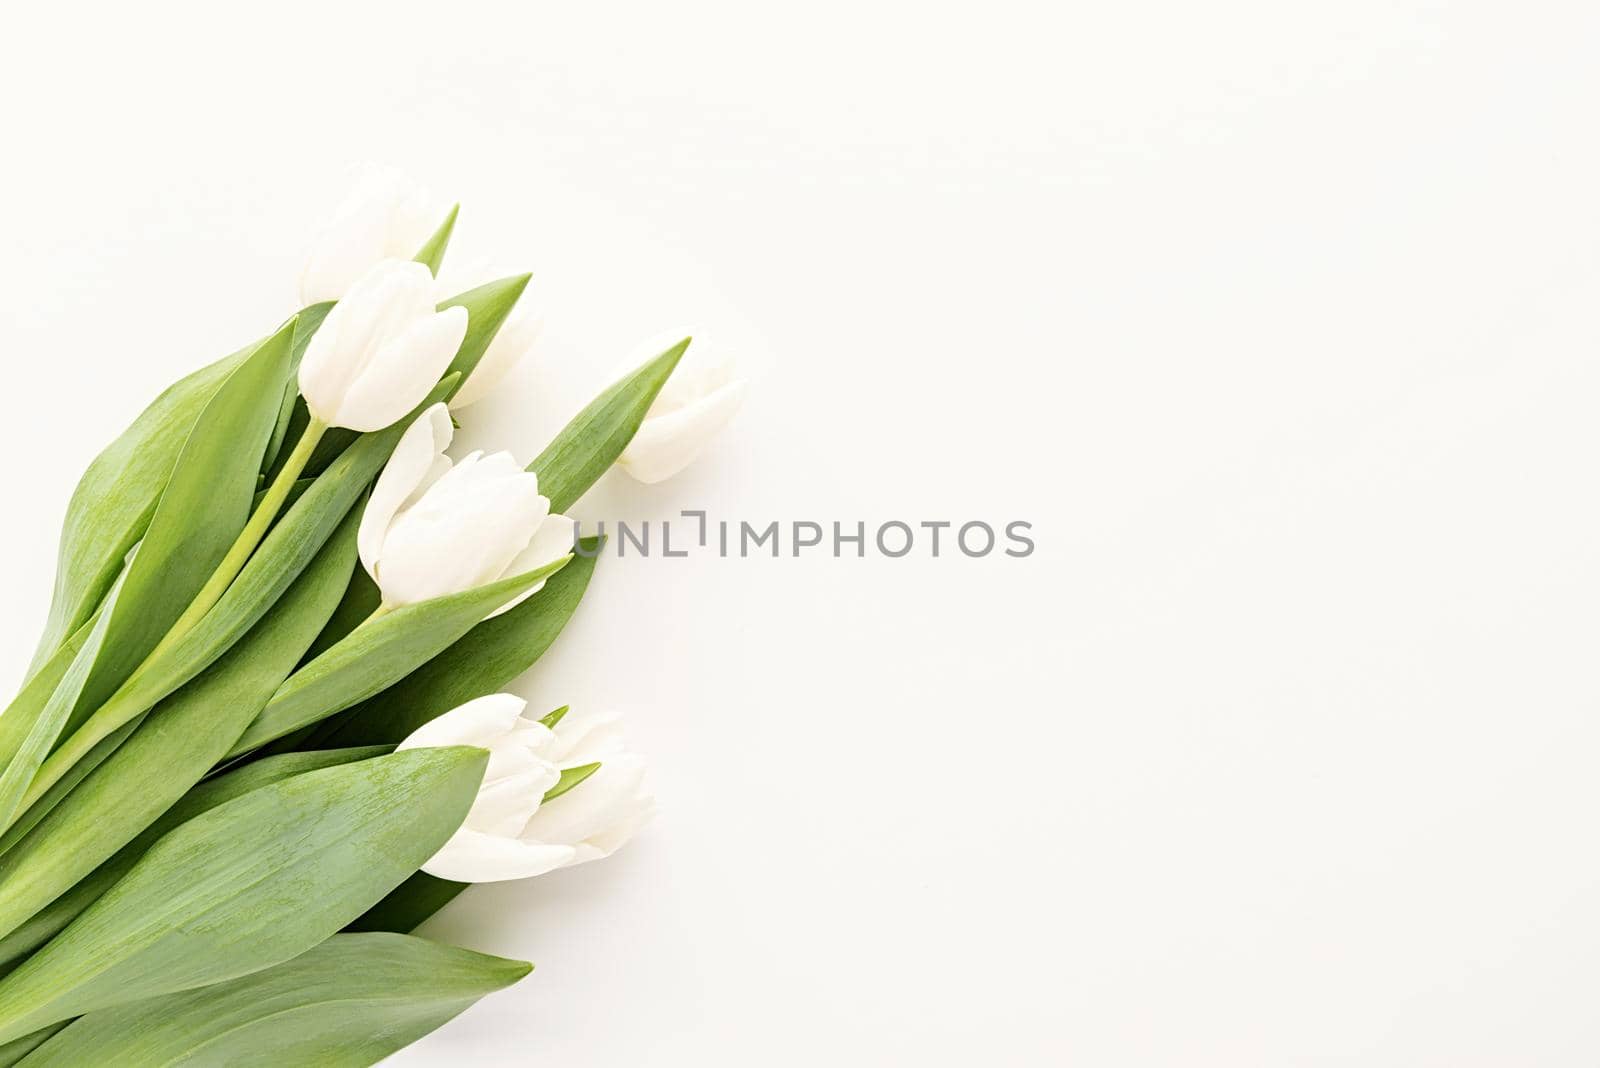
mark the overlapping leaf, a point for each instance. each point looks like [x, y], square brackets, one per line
[283, 554]
[593, 440]
[379, 653]
[348, 1003]
[176, 745]
[202, 509]
[117, 495]
[249, 884]
[483, 662]
[47, 922]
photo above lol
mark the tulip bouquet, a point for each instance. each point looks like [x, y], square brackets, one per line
[263, 738]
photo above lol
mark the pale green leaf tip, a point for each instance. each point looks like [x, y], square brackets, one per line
[555, 717]
[570, 777]
[431, 254]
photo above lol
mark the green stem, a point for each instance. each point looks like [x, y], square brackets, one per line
[108, 717]
[250, 537]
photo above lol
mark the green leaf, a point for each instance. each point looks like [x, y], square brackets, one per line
[283, 554]
[49, 921]
[361, 599]
[432, 252]
[487, 308]
[408, 904]
[591, 443]
[380, 652]
[174, 747]
[13, 1052]
[348, 1003]
[202, 509]
[491, 655]
[249, 884]
[569, 778]
[113, 502]
[24, 709]
[204, 506]
[306, 325]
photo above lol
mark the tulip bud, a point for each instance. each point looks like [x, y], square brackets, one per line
[511, 343]
[434, 528]
[381, 349]
[512, 830]
[386, 216]
[697, 401]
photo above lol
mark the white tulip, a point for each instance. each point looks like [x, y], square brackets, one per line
[434, 528]
[386, 216]
[381, 349]
[511, 832]
[696, 402]
[511, 343]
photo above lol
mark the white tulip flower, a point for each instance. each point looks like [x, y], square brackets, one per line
[433, 527]
[696, 402]
[381, 349]
[512, 831]
[511, 343]
[386, 216]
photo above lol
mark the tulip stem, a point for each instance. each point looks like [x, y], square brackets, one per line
[254, 530]
[100, 725]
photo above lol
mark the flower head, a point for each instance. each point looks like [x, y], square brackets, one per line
[433, 527]
[386, 216]
[381, 349]
[697, 401]
[515, 828]
[513, 341]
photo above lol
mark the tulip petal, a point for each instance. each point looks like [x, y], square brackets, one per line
[503, 806]
[473, 857]
[477, 723]
[509, 346]
[402, 370]
[386, 214]
[666, 444]
[417, 462]
[613, 797]
[464, 532]
[585, 741]
[553, 540]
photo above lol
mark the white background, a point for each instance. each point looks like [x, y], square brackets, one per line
[1281, 324]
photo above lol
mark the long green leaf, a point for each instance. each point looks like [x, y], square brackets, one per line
[483, 662]
[407, 905]
[19, 717]
[306, 325]
[592, 441]
[49, 921]
[116, 497]
[379, 653]
[201, 511]
[487, 306]
[181, 739]
[283, 554]
[249, 884]
[348, 1003]
[202, 508]
[13, 1052]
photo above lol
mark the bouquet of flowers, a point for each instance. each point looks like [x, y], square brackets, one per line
[263, 738]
